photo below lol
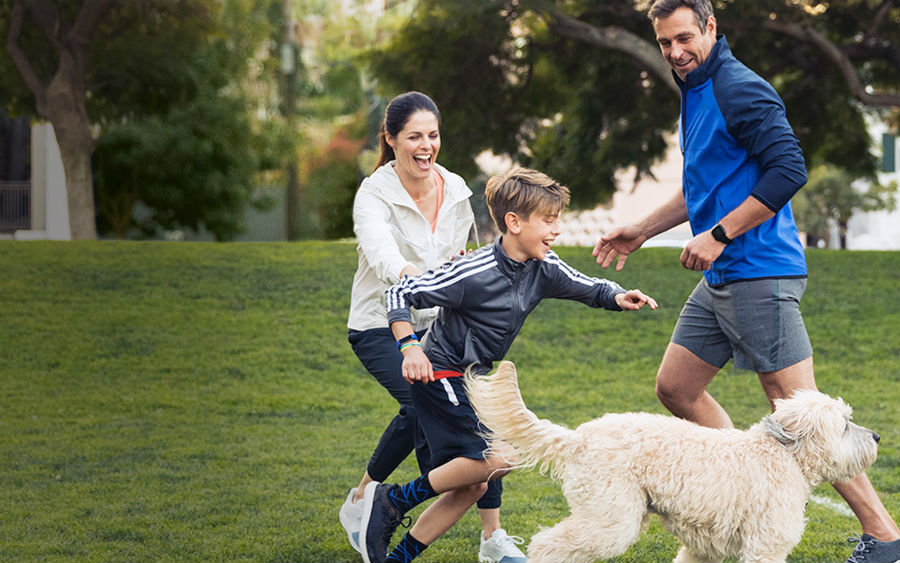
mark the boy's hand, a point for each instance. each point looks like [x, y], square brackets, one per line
[416, 366]
[634, 299]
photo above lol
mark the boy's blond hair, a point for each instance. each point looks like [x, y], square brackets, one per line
[524, 191]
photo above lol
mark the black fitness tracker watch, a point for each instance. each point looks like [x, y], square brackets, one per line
[407, 338]
[718, 233]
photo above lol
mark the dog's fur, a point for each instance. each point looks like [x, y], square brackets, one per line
[722, 493]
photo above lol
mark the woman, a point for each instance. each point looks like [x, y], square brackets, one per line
[410, 215]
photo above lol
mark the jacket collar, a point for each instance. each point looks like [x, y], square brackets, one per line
[508, 267]
[387, 184]
[718, 55]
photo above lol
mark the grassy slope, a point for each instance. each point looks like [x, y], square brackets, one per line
[199, 402]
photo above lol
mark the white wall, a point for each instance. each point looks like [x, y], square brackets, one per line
[877, 230]
[49, 204]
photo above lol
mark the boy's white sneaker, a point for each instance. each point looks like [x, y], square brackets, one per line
[351, 519]
[501, 548]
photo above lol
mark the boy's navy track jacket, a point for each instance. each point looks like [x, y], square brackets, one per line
[737, 143]
[484, 298]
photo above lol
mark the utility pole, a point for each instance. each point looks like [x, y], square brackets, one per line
[289, 109]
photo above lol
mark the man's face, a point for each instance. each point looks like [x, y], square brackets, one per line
[684, 45]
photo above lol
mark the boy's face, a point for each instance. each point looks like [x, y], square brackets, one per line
[530, 238]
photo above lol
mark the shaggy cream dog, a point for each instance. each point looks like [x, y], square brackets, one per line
[722, 493]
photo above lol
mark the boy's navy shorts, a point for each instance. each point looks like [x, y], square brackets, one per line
[447, 419]
[450, 426]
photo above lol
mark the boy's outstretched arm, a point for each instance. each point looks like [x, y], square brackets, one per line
[634, 299]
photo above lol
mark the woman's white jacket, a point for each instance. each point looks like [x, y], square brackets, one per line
[392, 233]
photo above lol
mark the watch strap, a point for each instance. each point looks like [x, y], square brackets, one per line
[718, 233]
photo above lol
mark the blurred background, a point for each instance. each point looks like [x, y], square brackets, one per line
[256, 120]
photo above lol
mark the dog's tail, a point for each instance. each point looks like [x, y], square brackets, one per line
[500, 408]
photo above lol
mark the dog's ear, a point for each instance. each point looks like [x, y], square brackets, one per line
[774, 429]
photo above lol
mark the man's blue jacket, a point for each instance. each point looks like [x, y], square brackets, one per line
[737, 142]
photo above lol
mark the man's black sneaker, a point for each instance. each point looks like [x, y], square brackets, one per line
[379, 520]
[870, 550]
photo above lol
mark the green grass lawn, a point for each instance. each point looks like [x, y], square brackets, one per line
[199, 402]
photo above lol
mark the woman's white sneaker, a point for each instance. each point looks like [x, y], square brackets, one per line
[351, 518]
[501, 548]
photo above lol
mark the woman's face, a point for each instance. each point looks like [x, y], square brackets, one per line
[416, 146]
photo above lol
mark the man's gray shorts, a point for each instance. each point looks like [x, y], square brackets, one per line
[757, 322]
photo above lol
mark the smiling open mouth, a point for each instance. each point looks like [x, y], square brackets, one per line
[423, 160]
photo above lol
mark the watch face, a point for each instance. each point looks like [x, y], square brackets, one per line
[718, 233]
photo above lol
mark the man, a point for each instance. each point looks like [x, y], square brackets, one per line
[742, 165]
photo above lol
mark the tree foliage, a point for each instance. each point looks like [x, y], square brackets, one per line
[832, 196]
[569, 86]
[331, 175]
[162, 93]
[192, 155]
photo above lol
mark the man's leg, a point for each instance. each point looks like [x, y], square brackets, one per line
[681, 387]
[865, 503]
[858, 492]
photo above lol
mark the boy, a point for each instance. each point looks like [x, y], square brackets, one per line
[484, 298]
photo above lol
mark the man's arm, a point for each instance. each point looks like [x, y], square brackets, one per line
[703, 249]
[756, 118]
[625, 240]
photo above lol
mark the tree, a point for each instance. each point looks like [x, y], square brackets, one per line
[334, 172]
[153, 64]
[831, 196]
[192, 158]
[60, 92]
[333, 110]
[572, 88]
[190, 168]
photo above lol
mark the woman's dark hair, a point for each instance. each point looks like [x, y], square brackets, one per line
[398, 112]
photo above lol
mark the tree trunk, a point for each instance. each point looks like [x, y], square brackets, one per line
[842, 232]
[62, 100]
[66, 112]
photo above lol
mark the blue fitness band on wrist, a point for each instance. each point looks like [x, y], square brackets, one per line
[406, 339]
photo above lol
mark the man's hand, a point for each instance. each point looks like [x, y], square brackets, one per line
[634, 299]
[416, 366]
[621, 243]
[701, 252]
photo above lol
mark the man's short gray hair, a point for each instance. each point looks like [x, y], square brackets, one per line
[663, 8]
